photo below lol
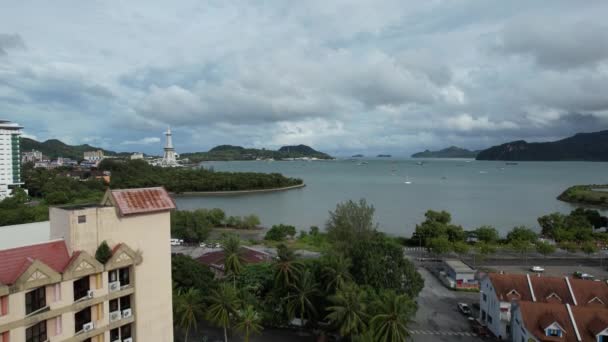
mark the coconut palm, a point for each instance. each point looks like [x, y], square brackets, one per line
[224, 304]
[188, 309]
[233, 259]
[336, 272]
[348, 311]
[248, 322]
[301, 298]
[393, 313]
[287, 268]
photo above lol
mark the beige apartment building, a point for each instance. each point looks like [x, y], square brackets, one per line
[58, 291]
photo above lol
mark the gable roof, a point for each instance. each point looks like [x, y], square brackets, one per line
[215, 259]
[545, 287]
[586, 290]
[15, 261]
[537, 317]
[504, 284]
[140, 201]
[590, 320]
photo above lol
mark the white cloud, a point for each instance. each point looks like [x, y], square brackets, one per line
[466, 122]
[143, 141]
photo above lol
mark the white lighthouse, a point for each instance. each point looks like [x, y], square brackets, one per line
[169, 158]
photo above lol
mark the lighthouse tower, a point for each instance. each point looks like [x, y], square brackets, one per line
[169, 158]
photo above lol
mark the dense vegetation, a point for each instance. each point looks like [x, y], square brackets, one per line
[586, 194]
[54, 148]
[572, 232]
[346, 291]
[195, 226]
[580, 147]
[139, 174]
[449, 152]
[230, 152]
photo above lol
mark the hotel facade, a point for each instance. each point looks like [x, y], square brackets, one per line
[10, 157]
[59, 291]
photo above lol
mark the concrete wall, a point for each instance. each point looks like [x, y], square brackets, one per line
[492, 306]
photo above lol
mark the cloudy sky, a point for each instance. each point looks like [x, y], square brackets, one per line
[343, 76]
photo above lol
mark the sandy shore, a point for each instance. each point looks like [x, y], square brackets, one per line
[238, 192]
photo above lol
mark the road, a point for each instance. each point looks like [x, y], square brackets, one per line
[438, 318]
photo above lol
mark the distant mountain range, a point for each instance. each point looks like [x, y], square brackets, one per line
[230, 152]
[450, 152]
[54, 148]
[580, 147]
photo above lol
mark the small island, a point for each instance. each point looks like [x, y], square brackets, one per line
[450, 152]
[384, 156]
[357, 156]
[593, 194]
[230, 152]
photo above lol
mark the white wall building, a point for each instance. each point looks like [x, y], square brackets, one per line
[10, 157]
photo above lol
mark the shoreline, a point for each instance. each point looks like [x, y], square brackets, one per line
[235, 192]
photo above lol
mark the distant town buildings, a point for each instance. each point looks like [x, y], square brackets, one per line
[59, 291]
[137, 156]
[510, 302]
[10, 166]
[93, 155]
[31, 157]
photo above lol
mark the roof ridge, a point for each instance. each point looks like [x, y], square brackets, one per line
[34, 244]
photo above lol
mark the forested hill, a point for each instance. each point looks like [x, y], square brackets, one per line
[450, 152]
[54, 148]
[230, 152]
[580, 147]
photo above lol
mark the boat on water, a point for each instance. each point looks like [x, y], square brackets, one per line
[511, 163]
[407, 180]
[362, 163]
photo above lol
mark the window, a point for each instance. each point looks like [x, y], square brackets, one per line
[36, 333]
[5, 336]
[489, 319]
[81, 318]
[483, 315]
[125, 302]
[485, 297]
[554, 332]
[82, 218]
[114, 334]
[81, 288]
[125, 331]
[35, 300]
[3, 306]
[122, 275]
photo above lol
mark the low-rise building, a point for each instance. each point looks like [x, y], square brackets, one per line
[58, 291]
[459, 275]
[93, 155]
[31, 157]
[137, 155]
[559, 322]
[215, 259]
[499, 291]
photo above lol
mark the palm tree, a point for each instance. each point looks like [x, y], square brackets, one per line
[248, 322]
[188, 309]
[348, 312]
[287, 268]
[301, 298]
[337, 272]
[233, 260]
[224, 303]
[394, 312]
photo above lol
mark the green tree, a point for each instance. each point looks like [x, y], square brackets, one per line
[436, 225]
[302, 296]
[251, 221]
[522, 247]
[233, 259]
[439, 245]
[460, 248]
[280, 232]
[336, 271]
[103, 253]
[223, 307]
[551, 223]
[350, 221]
[188, 308]
[286, 269]
[545, 248]
[249, 322]
[521, 233]
[393, 314]
[189, 273]
[347, 312]
[487, 234]
[589, 247]
[569, 246]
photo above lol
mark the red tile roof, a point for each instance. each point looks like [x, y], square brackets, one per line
[586, 291]
[15, 261]
[504, 284]
[250, 256]
[141, 201]
[551, 290]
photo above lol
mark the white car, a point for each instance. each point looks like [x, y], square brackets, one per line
[537, 269]
[202, 244]
[177, 242]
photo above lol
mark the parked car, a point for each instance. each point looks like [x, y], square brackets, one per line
[177, 242]
[537, 269]
[202, 244]
[464, 308]
[581, 275]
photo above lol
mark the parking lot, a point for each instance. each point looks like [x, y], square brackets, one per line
[438, 318]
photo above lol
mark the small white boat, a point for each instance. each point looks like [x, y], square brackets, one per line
[407, 180]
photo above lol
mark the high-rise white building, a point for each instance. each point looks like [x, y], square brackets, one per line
[169, 157]
[10, 157]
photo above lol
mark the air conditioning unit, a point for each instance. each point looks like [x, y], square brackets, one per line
[90, 294]
[114, 286]
[130, 339]
[88, 326]
[126, 313]
[115, 316]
